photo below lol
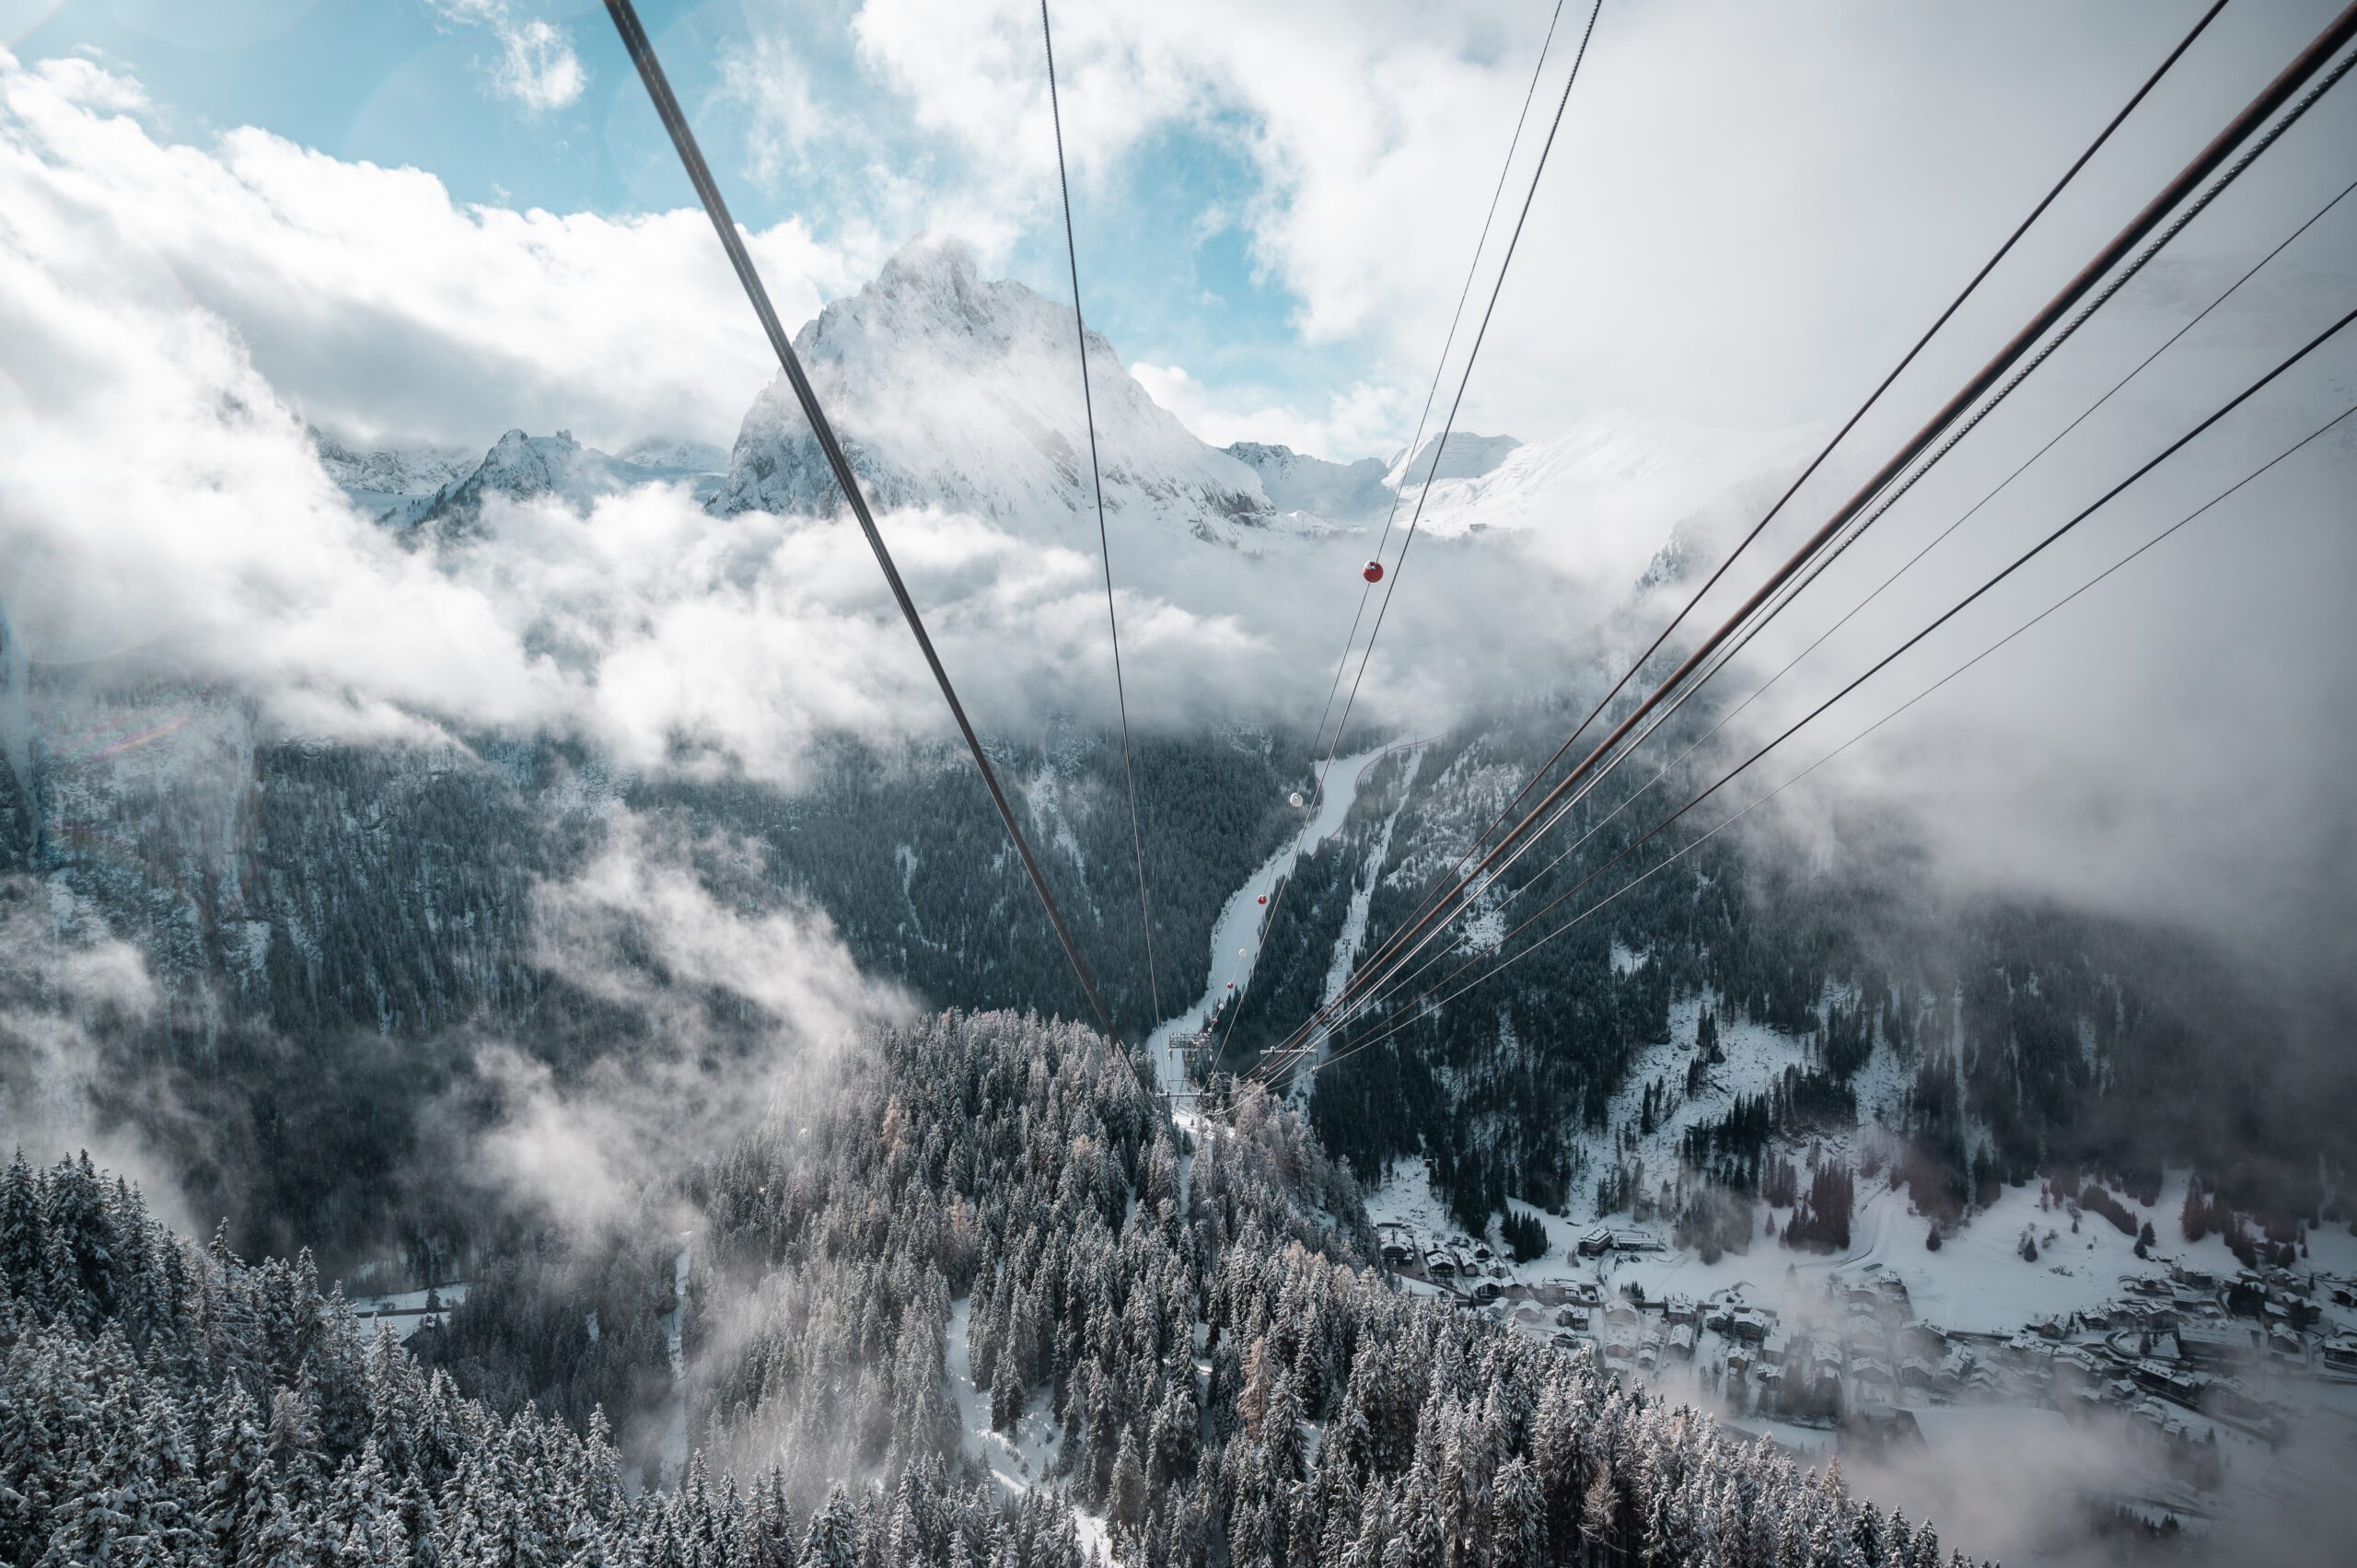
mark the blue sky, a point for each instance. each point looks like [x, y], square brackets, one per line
[1169, 274]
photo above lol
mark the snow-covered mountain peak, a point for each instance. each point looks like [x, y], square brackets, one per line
[952, 391]
[375, 479]
[675, 454]
[524, 467]
[1464, 456]
[520, 465]
[939, 281]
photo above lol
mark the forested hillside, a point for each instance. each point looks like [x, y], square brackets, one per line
[1234, 1385]
[300, 905]
[332, 931]
[310, 888]
[1190, 1313]
[2034, 1037]
[175, 1406]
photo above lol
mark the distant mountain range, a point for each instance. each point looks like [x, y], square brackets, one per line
[959, 393]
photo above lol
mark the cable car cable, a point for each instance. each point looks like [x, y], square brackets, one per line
[2289, 81]
[1729, 821]
[1734, 651]
[1432, 392]
[666, 107]
[1873, 398]
[1103, 545]
[1472, 354]
[1948, 615]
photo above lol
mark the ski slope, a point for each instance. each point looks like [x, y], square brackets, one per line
[1238, 927]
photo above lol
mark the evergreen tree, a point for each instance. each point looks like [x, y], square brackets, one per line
[1520, 1522]
[1125, 1506]
[23, 1243]
[832, 1540]
[1014, 1176]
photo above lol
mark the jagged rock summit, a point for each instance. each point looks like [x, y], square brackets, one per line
[378, 479]
[519, 467]
[951, 390]
[957, 392]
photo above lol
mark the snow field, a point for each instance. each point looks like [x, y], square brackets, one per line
[1026, 1460]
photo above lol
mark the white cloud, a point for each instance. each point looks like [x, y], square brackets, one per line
[537, 66]
[1358, 420]
[67, 986]
[161, 493]
[978, 73]
[379, 306]
[768, 76]
[2154, 749]
[1718, 237]
[640, 891]
[163, 500]
[639, 928]
[161, 497]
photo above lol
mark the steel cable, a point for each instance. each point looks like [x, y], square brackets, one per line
[1472, 353]
[1427, 902]
[666, 107]
[1399, 979]
[1103, 545]
[2281, 90]
[1432, 392]
[1948, 615]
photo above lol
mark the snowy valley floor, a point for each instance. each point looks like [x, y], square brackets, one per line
[2017, 1467]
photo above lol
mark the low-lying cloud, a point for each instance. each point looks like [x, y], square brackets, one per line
[641, 929]
[165, 514]
[66, 983]
[2162, 746]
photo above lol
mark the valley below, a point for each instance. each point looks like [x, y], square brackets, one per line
[579, 1078]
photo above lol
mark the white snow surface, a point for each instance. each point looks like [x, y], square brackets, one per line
[1020, 1462]
[1295, 482]
[1976, 1283]
[377, 479]
[674, 454]
[1993, 1466]
[381, 1304]
[1463, 455]
[1353, 935]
